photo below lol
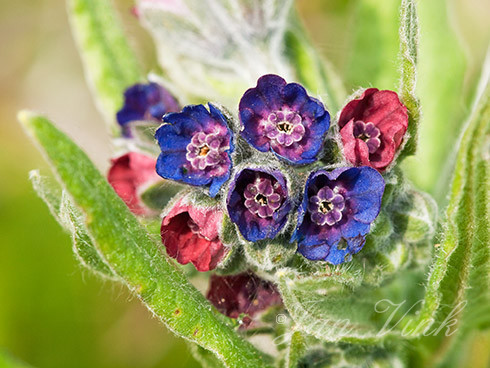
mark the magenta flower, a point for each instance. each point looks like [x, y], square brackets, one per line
[191, 234]
[129, 175]
[240, 294]
[372, 128]
[258, 203]
[337, 211]
[282, 118]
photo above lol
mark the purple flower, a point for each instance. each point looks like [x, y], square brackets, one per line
[258, 203]
[336, 213]
[196, 145]
[145, 102]
[280, 117]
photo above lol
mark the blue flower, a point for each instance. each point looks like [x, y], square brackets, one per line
[280, 117]
[258, 203]
[336, 213]
[196, 145]
[145, 102]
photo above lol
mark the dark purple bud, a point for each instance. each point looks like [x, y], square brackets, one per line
[147, 102]
[240, 294]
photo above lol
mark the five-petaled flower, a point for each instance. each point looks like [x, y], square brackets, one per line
[129, 175]
[372, 128]
[258, 203]
[280, 117]
[336, 212]
[190, 233]
[244, 293]
[196, 147]
[147, 102]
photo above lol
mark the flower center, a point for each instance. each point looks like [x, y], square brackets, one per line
[284, 126]
[262, 197]
[326, 207]
[369, 133]
[203, 150]
[206, 151]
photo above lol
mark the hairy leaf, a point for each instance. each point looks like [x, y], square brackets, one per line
[71, 219]
[134, 255]
[409, 32]
[109, 63]
[459, 283]
[216, 49]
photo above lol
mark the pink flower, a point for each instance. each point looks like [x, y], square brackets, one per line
[372, 128]
[129, 175]
[191, 234]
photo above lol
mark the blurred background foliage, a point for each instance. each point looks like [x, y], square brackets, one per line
[79, 320]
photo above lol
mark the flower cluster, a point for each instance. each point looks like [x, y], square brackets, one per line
[336, 208]
[276, 188]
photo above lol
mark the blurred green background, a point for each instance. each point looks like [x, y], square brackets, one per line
[53, 313]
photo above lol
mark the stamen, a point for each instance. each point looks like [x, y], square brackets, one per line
[203, 151]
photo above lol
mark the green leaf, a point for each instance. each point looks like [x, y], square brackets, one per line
[324, 305]
[409, 31]
[458, 285]
[110, 64]
[134, 255]
[216, 50]
[296, 350]
[71, 219]
[205, 358]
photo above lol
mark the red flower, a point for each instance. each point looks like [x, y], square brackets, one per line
[239, 294]
[191, 234]
[129, 175]
[372, 128]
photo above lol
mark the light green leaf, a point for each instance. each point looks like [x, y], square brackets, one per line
[214, 50]
[71, 219]
[296, 350]
[205, 358]
[458, 285]
[324, 305]
[409, 32]
[133, 254]
[109, 63]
